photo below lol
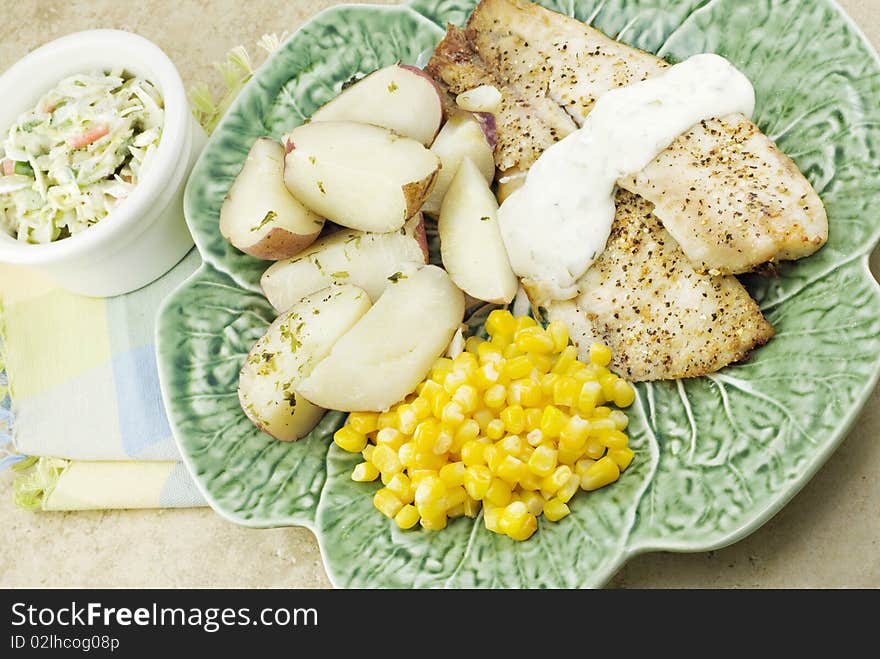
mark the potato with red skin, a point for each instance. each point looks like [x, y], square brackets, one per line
[400, 97]
[357, 175]
[287, 352]
[367, 260]
[259, 216]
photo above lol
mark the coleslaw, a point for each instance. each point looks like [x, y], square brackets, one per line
[69, 161]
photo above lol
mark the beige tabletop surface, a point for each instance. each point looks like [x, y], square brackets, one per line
[827, 536]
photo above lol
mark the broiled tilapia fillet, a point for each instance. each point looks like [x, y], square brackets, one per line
[724, 190]
[661, 318]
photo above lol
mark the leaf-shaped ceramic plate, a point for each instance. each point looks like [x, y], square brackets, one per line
[716, 456]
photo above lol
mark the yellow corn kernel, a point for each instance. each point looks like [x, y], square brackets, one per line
[500, 321]
[511, 470]
[552, 421]
[492, 518]
[574, 368]
[621, 420]
[502, 342]
[477, 480]
[556, 480]
[486, 376]
[363, 422]
[407, 454]
[386, 460]
[364, 472]
[483, 417]
[434, 522]
[524, 532]
[421, 407]
[513, 517]
[390, 437]
[349, 439]
[495, 429]
[430, 489]
[581, 466]
[441, 400]
[533, 418]
[530, 482]
[401, 486]
[574, 433]
[615, 440]
[569, 456]
[455, 496]
[569, 489]
[429, 392]
[452, 474]
[442, 365]
[466, 362]
[623, 394]
[554, 510]
[454, 380]
[472, 344]
[471, 507]
[512, 445]
[535, 437]
[623, 457]
[428, 460]
[406, 419]
[452, 414]
[566, 358]
[443, 442]
[467, 397]
[489, 353]
[517, 367]
[534, 502]
[543, 461]
[548, 380]
[387, 503]
[528, 393]
[600, 354]
[407, 517]
[468, 431]
[524, 321]
[534, 339]
[608, 382]
[456, 511]
[604, 472]
[514, 419]
[499, 492]
[594, 448]
[495, 396]
[558, 331]
[541, 363]
[590, 395]
[566, 391]
[602, 412]
[368, 452]
[602, 427]
[494, 455]
[473, 453]
[387, 420]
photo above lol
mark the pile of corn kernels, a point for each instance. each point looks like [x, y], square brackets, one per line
[514, 425]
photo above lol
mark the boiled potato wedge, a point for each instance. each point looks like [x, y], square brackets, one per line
[286, 353]
[367, 260]
[471, 245]
[259, 216]
[399, 97]
[359, 176]
[392, 348]
[461, 137]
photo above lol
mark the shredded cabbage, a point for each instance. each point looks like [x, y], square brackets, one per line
[68, 162]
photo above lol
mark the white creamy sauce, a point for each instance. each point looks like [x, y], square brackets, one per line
[557, 223]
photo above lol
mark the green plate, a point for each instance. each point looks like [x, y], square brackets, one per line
[716, 456]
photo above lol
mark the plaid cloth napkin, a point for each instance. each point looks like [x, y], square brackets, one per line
[80, 397]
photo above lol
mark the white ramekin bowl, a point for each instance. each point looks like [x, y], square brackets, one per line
[146, 234]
